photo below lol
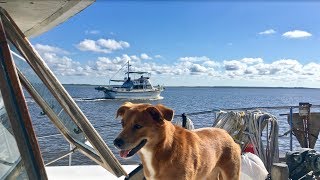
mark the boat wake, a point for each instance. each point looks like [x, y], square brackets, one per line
[90, 99]
[104, 99]
[158, 98]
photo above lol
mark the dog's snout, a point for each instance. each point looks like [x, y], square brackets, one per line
[118, 142]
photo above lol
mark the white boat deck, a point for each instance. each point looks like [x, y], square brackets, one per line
[84, 172]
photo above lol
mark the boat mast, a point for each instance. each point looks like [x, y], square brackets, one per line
[128, 68]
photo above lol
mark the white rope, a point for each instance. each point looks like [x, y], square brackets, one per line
[232, 122]
[248, 127]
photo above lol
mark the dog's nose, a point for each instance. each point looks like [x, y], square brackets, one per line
[118, 142]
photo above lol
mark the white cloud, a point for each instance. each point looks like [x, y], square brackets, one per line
[194, 58]
[134, 57]
[121, 60]
[252, 60]
[197, 69]
[198, 64]
[296, 34]
[102, 45]
[113, 44]
[234, 65]
[212, 64]
[145, 56]
[59, 63]
[282, 67]
[250, 70]
[281, 71]
[311, 69]
[126, 57]
[91, 45]
[92, 32]
[106, 66]
[267, 32]
[286, 66]
[48, 48]
[158, 56]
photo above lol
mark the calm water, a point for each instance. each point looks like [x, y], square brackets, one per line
[101, 112]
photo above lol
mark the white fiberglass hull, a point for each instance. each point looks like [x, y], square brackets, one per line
[133, 94]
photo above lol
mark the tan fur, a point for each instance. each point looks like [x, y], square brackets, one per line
[172, 152]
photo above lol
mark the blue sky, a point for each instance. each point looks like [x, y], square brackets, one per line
[206, 43]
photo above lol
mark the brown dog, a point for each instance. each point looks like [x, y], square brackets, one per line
[171, 152]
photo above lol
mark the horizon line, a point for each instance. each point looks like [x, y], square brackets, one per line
[174, 86]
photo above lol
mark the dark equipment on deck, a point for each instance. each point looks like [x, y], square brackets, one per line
[303, 164]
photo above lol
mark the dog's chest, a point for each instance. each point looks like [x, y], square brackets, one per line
[147, 157]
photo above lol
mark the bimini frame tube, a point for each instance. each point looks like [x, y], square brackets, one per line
[291, 127]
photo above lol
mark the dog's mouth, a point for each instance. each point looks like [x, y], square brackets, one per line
[131, 152]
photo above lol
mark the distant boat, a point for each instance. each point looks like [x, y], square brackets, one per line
[139, 88]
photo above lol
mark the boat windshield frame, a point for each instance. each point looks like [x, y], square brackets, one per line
[18, 115]
[97, 150]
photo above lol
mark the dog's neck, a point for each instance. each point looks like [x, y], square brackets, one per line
[146, 157]
[151, 151]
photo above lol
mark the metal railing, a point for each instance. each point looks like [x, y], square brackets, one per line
[72, 149]
[290, 114]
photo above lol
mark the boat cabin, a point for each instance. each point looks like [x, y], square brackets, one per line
[140, 83]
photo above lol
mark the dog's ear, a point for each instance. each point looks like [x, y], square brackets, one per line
[166, 112]
[160, 112]
[155, 113]
[125, 106]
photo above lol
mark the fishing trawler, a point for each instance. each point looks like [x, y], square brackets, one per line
[132, 88]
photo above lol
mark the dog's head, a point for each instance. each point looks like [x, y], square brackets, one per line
[142, 124]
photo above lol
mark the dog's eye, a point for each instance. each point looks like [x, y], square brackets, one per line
[137, 126]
